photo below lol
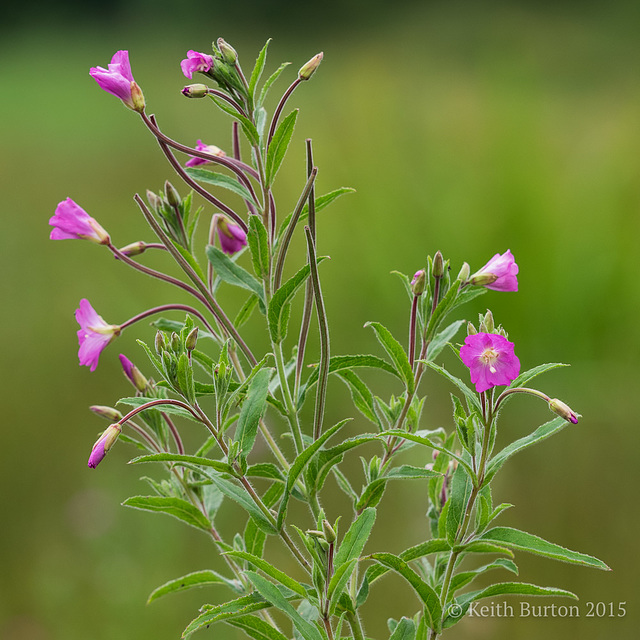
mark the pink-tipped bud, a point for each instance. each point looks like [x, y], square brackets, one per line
[137, 98]
[195, 91]
[419, 282]
[133, 374]
[563, 410]
[103, 444]
[134, 249]
[109, 413]
[309, 68]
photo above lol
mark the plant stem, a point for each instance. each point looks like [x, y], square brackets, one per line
[356, 626]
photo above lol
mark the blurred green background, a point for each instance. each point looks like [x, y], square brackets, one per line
[469, 127]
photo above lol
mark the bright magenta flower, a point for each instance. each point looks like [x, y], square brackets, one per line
[94, 334]
[498, 274]
[103, 444]
[196, 61]
[491, 359]
[118, 81]
[72, 222]
[207, 148]
[232, 237]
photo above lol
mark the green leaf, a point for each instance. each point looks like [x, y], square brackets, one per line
[361, 395]
[254, 537]
[522, 541]
[480, 546]
[461, 488]
[265, 470]
[472, 398]
[270, 570]
[253, 409]
[232, 273]
[238, 607]
[172, 409]
[258, 68]
[259, 246]
[339, 581]
[405, 630]
[444, 307]
[245, 311]
[257, 628]
[191, 580]
[443, 338]
[462, 579]
[527, 376]
[269, 82]
[278, 146]
[279, 307]
[220, 180]
[432, 606]
[298, 465]
[239, 496]
[541, 433]
[270, 593]
[396, 353]
[180, 459]
[185, 378]
[175, 507]
[356, 537]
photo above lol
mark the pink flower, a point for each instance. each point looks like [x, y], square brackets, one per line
[491, 359]
[118, 81]
[72, 222]
[94, 334]
[232, 237]
[196, 61]
[103, 444]
[498, 274]
[207, 148]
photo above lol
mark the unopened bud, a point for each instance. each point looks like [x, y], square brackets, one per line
[329, 533]
[195, 91]
[471, 330]
[228, 52]
[133, 374]
[106, 412]
[463, 276]
[136, 97]
[192, 339]
[418, 283]
[314, 533]
[483, 279]
[308, 69]
[134, 249]
[487, 324]
[160, 343]
[175, 341]
[563, 410]
[173, 197]
[154, 200]
[438, 265]
[103, 444]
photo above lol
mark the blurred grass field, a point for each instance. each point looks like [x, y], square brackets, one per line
[466, 128]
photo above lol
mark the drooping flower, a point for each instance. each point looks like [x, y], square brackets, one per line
[232, 237]
[499, 274]
[118, 81]
[72, 222]
[196, 61]
[103, 444]
[491, 360]
[133, 373]
[207, 148]
[94, 334]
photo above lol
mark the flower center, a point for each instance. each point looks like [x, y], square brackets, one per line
[489, 357]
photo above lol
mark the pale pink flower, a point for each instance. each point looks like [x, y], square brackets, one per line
[118, 81]
[72, 222]
[491, 360]
[94, 334]
[207, 148]
[499, 274]
[196, 61]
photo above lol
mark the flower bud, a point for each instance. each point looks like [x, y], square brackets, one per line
[308, 69]
[195, 91]
[418, 283]
[175, 342]
[471, 330]
[563, 410]
[134, 249]
[484, 279]
[438, 265]
[160, 343]
[106, 412]
[137, 99]
[133, 374]
[228, 52]
[487, 324]
[329, 533]
[192, 339]
[172, 195]
[463, 276]
[154, 200]
[103, 444]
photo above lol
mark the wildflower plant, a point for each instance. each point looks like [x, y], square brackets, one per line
[201, 369]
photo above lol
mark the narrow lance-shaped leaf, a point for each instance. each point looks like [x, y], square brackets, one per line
[258, 68]
[232, 273]
[176, 507]
[405, 630]
[252, 410]
[257, 628]
[269, 82]
[270, 570]
[396, 353]
[190, 581]
[461, 488]
[181, 459]
[279, 145]
[356, 537]
[259, 246]
[220, 180]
